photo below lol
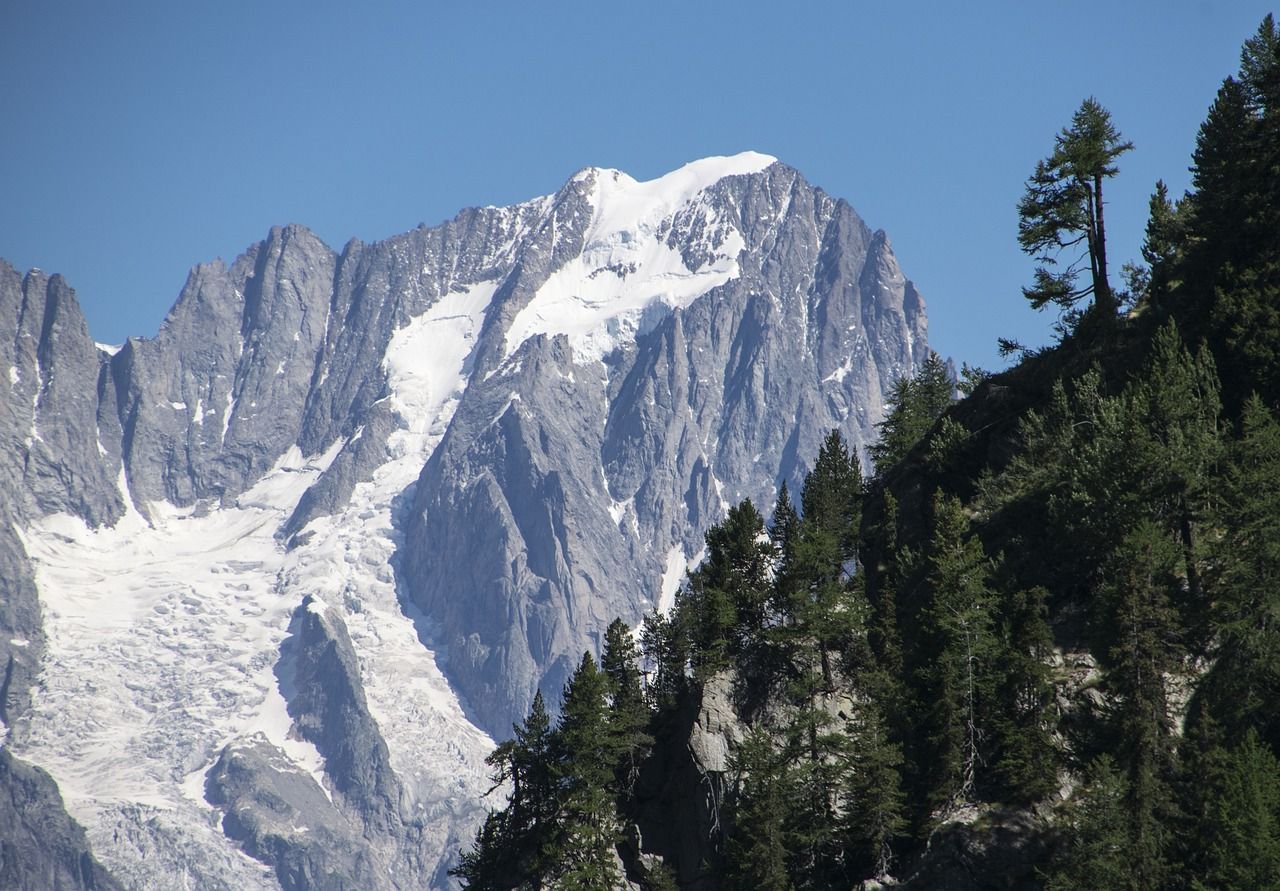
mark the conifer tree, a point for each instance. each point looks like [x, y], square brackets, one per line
[784, 530]
[585, 853]
[1024, 765]
[514, 847]
[1245, 679]
[664, 643]
[1096, 836]
[1063, 208]
[873, 816]
[628, 716]
[958, 623]
[1146, 650]
[758, 849]
[1240, 832]
[883, 634]
[911, 409]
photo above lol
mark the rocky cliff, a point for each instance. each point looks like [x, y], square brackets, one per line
[283, 567]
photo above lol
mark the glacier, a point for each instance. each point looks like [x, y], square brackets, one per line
[274, 649]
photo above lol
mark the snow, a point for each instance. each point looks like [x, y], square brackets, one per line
[110, 348]
[627, 277]
[163, 638]
[14, 376]
[840, 373]
[165, 634]
[672, 576]
[428, 363]
[227, 413]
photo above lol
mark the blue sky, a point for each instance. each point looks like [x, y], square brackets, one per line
[142, 138]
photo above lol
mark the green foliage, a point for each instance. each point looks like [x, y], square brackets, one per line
[1223, 282]
[1096, 843]
[913, 406]
[730, 589]
[628, 716]
[1245, 681]
[1145, 652]
[664, 641]
[759, 848]
[1240, 831]
[874, 805]
[960, 642]
[1025, 760]
[886, 670]
[1062, 211]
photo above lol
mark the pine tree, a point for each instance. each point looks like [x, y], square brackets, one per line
[1096, 837]
[1231, 264]
[1179, 447]
[1145, 651]
[664, 643]
[873, 816]
[758, 848]
[730, 590]
[515, 845]
[1161, 249]
[1025, 763]
[1245, 679]
[958, 628]
[912, 408]
[1063, 209]
[628, 718]
[883, 635]
[1240, 832]
[784, 531]
[585, 853]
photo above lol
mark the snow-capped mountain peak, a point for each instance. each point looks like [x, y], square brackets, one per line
[379, 497]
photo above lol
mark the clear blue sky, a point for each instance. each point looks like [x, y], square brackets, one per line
[141, 138]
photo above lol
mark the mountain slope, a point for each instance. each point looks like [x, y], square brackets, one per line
[298, 555]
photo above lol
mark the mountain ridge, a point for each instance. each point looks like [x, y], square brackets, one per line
[360, 431]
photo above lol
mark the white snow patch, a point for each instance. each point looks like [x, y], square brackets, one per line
[627, 275]
[198, 417]
[619, 509]
[178, 406]
[14, 376]
[19, 642]
[428, 363]
[672, 576]
[840, 373]
[227, 412]
[110, 348]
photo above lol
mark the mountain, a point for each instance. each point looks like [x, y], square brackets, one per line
[276, 578]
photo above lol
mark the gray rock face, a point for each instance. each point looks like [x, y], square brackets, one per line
[321, 680]
[40, 846]
[547, 403]
[511, 539]
[55, 457]
[219, 394]
[282, 817]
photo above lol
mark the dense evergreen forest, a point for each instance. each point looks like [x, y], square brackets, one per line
[1048, 619]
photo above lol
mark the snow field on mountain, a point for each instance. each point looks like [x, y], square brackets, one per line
[164, 636]
[628, 276]
[347, 563]
[163, 639]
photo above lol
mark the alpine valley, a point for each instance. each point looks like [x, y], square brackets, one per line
[275, 581]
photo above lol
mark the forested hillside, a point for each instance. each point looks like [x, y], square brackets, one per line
[1036, 648]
